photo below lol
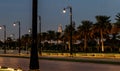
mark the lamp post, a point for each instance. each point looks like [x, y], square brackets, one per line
[34, 62]
[4, 37]
[64, 11]
[29, 39]
[18, 22]
[40, 36]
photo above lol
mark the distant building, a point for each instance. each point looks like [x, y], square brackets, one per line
[60, 28]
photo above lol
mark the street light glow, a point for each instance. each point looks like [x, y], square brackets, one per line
[29, 30]
[64, 11]
[0, 27]
[14, 24]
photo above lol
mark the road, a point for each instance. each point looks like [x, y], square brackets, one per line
[47, 65]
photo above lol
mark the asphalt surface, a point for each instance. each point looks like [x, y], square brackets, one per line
[115, 61]
[52, 65]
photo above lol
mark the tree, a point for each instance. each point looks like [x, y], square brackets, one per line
[116, 26]
[117, 20]
[9, 42]
[102, 26]
[57, 36]
[26, 40]
[51, 35]
[44, 36]
[84, 31]
[67, 34]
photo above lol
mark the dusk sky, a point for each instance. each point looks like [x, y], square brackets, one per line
[51, 13]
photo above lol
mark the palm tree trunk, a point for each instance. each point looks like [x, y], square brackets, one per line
[101, 33]
[69, 45]
[85, 43]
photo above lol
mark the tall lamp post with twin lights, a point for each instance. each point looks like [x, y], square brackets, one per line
[4, 27]
[64, 11]
[19, 44]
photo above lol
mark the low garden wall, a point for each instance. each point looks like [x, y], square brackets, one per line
[96, 55]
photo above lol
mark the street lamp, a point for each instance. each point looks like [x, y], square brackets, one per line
[40, 36]
[34, 62]
[15, 23]
[29, 39]
[4, 27]
[64, 11]
[30, 31]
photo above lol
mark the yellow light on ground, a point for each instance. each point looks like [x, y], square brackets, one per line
[2, 68]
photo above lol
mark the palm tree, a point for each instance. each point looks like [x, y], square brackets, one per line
[102, 26]
[116, 25]
[25, 40]
[57, 36]
[84, 31]
[51, 35]
[117, 20]
[8, 42]
[115, 31]
[67, 34]
[44, 36]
